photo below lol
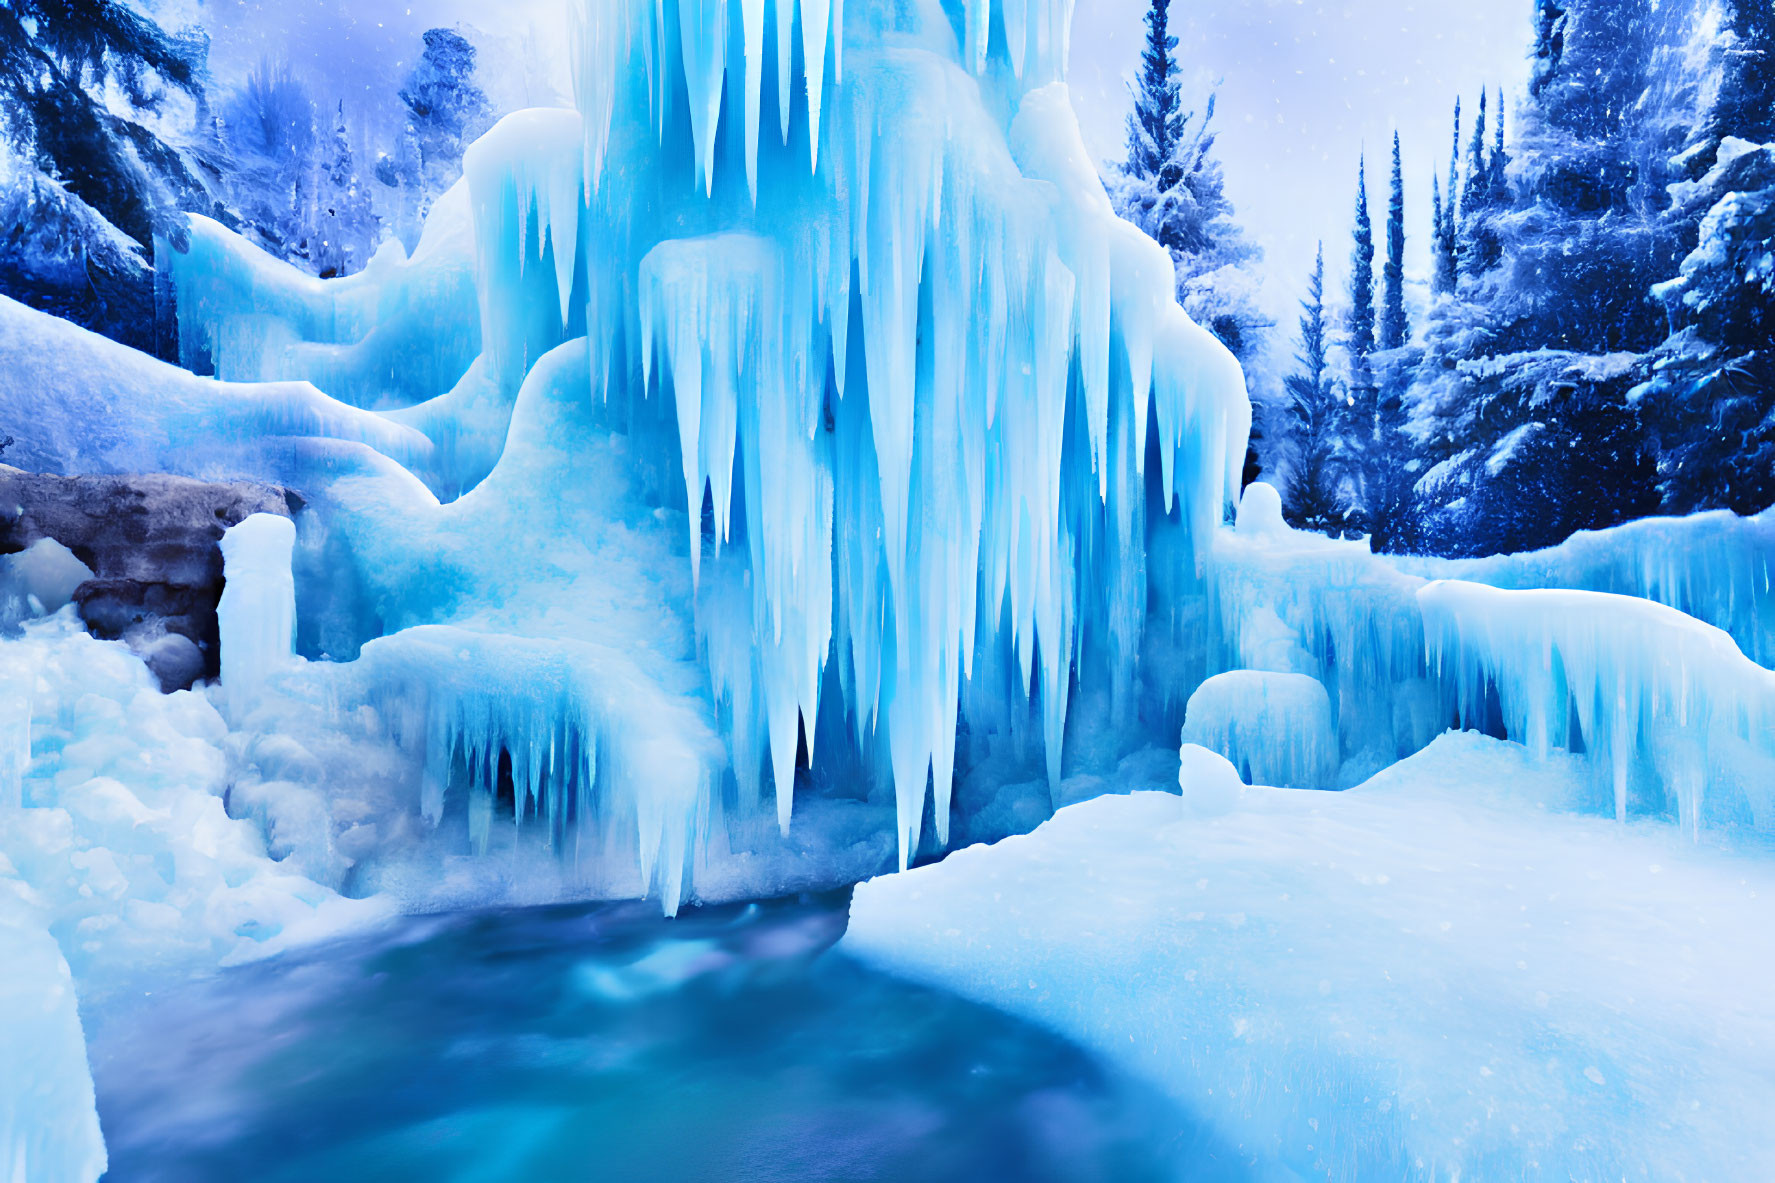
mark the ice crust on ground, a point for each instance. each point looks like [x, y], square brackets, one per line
[1443, 973]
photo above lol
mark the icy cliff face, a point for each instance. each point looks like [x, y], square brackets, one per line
[852, 291]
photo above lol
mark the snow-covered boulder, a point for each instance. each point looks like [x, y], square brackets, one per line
[140, 553]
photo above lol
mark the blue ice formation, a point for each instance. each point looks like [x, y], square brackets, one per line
[922, 406]
[1643, 647]
[49, 1128]
[794, 416]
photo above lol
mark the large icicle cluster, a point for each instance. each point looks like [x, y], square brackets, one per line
[853, 288]
[914, 357]
[553, 723]
[1717, 567]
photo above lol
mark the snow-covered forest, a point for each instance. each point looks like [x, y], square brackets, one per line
[704, 590]
[1592, 346]
[114, 127]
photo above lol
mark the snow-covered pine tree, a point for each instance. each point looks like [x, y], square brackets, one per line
[272, 139]
[1359, 346]
[1156, 124]
[1390, 457]
[1359, 327]
[1446, 256]
[1477, 247]
[92, 183]
[1711, 396]
[345, 225]
[1521, 398]
[1394, 327]
[1171, 186]
[1314, 501]
[446, 111]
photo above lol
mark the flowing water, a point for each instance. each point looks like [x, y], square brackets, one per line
[604, 1043]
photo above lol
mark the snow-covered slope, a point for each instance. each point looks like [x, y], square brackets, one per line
[1443, 973]
[78, 402]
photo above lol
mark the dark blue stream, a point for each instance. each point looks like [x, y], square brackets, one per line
[604, 1043]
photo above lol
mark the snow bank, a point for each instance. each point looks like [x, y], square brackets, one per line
[49, 1127]
[399, 332]
[120, 825]
[1439, 974]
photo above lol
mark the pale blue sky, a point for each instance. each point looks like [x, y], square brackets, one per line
[1304, 86]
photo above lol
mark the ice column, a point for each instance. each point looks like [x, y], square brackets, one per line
[257, 615]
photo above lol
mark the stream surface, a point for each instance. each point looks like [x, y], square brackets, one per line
[601, 1042]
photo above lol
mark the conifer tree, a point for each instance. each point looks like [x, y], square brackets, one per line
[1446, 256]
[1156, 125]
[1476, 197]
[1313, 502]
[1393, 326]
[345, 230]
[1172, 187]
[1500, 159]
[83, 83]
[1361, 321]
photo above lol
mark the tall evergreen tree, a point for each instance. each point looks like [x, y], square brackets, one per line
[1156, 125]
[1477, 195]
[84, 86]
[1447, 263]
[345, 229]
[1361, 316]
[1172, 187]
[1500, 159]
[1359, 342]
[1394, 328]
[446, 111]
[1313, 501]
[1711, 398]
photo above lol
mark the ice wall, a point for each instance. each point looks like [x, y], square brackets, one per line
[1671, 714]
[1275, 728]
[1717, 567]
